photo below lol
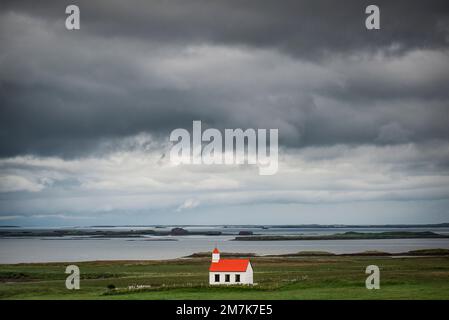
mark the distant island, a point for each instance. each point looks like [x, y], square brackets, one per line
[101, 233]
[240, 232]
[373, 253]
[348, 236]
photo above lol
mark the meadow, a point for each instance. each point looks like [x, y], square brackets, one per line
[300, 277]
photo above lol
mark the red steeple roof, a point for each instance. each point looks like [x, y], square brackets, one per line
[231, 265]
[215, 251]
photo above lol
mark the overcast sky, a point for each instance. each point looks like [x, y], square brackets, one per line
[363, 116]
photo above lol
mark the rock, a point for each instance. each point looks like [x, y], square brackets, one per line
[179, 232]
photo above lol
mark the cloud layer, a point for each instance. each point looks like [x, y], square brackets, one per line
[362, 115]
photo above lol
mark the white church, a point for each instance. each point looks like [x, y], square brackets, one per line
[229, 271]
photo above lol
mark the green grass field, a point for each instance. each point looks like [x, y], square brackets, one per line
[334, 277]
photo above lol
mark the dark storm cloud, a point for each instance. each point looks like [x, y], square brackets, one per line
[38, 124]
[303, 28]
[308, 68]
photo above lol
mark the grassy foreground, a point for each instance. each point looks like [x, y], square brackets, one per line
[323, 277]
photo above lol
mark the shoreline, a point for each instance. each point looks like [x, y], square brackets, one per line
[198, 256]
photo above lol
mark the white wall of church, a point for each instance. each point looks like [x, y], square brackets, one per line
[245, 277]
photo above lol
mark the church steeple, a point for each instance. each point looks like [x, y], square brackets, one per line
[215, 255]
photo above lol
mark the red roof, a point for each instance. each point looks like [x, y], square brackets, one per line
[215, 251]
[231, 265]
